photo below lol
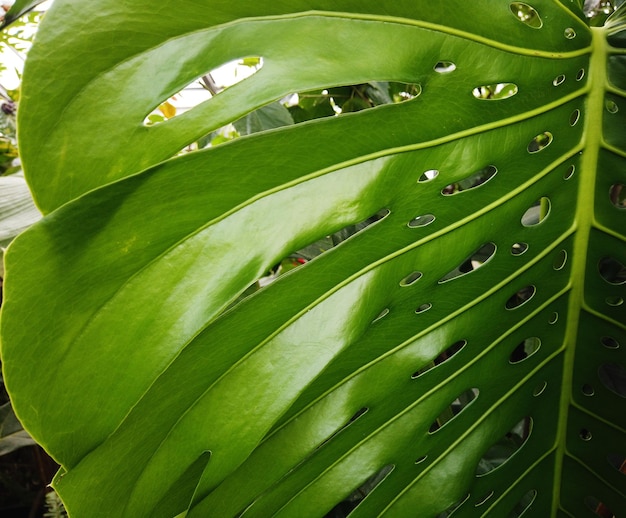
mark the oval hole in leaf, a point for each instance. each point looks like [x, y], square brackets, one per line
[554, 318]
[353, 98]
[502, 451]
[574, 117]
[421, 459]
[421, 221]
[350, 230]
[524, 504]
[537, 212]
[540, 142]
[381, 315]
[308, 253]
[598, 508]
[519, 248]
[423, 308]
[427, 176]
[521, 297]
[473, 262]
[617, 461]
[444, 356]
[313, 250]
[484, 499]
[614, 301]
[609, 342]
[613, 377]
[475, 180]
[558, 80]
[612, 271]
[454, 409]
[560, 260]
[402, 92]
[526, 14]
[203, 87]
[587, 390]
[410, 279]
[359, 494]
[525, 349]
[611, 106]
[617, 195]
[569, 172]
[454, 507]
[540, 388]
[445, 67]
[585, 434]
[495, 92]
[570, 33]
[349, 98]
[580, 74]
[359, 413]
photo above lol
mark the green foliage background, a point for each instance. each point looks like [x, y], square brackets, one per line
[464, 350]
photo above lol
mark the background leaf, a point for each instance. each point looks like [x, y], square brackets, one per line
[19, 8]
[17, 210]
[272, 116]
[12, 435]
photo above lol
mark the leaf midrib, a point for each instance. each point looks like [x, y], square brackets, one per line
[584, 220]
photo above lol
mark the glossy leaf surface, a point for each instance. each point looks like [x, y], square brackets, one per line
[385, 374]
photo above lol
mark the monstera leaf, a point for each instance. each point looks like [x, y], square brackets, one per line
[462, 352]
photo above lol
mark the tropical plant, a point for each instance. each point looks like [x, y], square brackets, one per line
[462, 352]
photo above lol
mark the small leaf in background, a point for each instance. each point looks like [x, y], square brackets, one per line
[251, 61]
[312, 105]
[154, 118]
[18, 9]
[12, 434]
[272, 116]
[17, 210]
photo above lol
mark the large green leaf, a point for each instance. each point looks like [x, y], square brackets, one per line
[470, 342]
